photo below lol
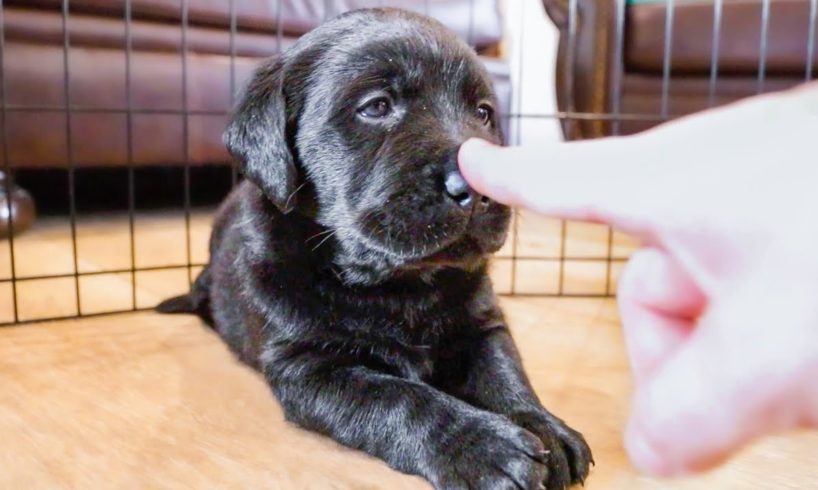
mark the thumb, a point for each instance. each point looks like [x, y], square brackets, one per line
[658, 304]
[595, 180]
[714, 394]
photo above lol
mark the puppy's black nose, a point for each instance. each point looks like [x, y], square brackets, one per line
[458, 189]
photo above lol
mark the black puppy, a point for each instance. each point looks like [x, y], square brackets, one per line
[350, 266]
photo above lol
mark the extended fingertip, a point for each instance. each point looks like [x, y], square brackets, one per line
[477, 143]
[480, 162]
[474, 144]
[472, 153]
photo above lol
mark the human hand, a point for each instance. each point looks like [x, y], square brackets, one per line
[720, 307]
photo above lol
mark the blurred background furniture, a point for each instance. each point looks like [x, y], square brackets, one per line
[16, 207]
[587, 83]
[178, 104]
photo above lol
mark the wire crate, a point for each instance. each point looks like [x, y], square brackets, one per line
[121, 235]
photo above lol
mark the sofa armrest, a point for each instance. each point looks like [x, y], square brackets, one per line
[584, 73]
[557, 11]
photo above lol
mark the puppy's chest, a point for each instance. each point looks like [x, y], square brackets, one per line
[406, 340]
[423, 320]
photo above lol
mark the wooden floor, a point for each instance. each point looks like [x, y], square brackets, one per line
[102, 256]
[146, 401]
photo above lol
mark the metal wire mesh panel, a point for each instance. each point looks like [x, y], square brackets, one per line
[111, 114]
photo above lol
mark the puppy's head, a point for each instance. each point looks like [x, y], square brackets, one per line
[366, 114]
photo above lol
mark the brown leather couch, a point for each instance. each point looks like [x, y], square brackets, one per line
[587, 84]
[155, 82]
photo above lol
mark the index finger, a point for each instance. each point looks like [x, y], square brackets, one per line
[603, 181]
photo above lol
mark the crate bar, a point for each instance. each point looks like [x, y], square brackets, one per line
[556, 295]
[170, 267]
[6, 162]
[279, 26]
[588, 116]
[715, 51]
[129, 149]
[103, 110]
[100, 273]
[515, 222]
[616, 78]
[551, 258]
[522, 258]
[234, 175]
[762, 49]
[569, 83]
[563, 241]
[328, 9]
[667, 56]
[572, 54]
[813, 24]
[86, 315]
[471, 37]
[72, 197]
[186, 140]
[616, 101]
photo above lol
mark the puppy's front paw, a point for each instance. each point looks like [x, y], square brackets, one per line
[569, 456]
[490, 453]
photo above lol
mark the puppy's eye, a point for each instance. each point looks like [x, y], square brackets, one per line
[377, 108]
[485, 113]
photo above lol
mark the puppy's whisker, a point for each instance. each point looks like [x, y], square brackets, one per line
[324, 240]
[287, 203]
[337, 274]
[320, 233]
[366, 216]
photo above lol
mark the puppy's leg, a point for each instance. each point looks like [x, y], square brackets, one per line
[490, 375]
[410, 425]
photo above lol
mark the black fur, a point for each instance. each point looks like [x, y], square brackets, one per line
[343, 271]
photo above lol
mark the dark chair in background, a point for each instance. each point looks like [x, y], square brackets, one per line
[164, 91]
[587, 74]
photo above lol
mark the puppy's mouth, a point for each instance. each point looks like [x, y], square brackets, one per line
[457, 243]
[463, 253]
[414, 249]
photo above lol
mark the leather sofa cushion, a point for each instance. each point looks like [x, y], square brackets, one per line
[477, 21]
[740, 37]
[642, 94]
[85, 30]
[98, 92]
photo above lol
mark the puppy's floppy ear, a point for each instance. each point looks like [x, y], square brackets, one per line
[257, 136]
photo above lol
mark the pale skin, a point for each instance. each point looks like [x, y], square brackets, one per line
[720, 305]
